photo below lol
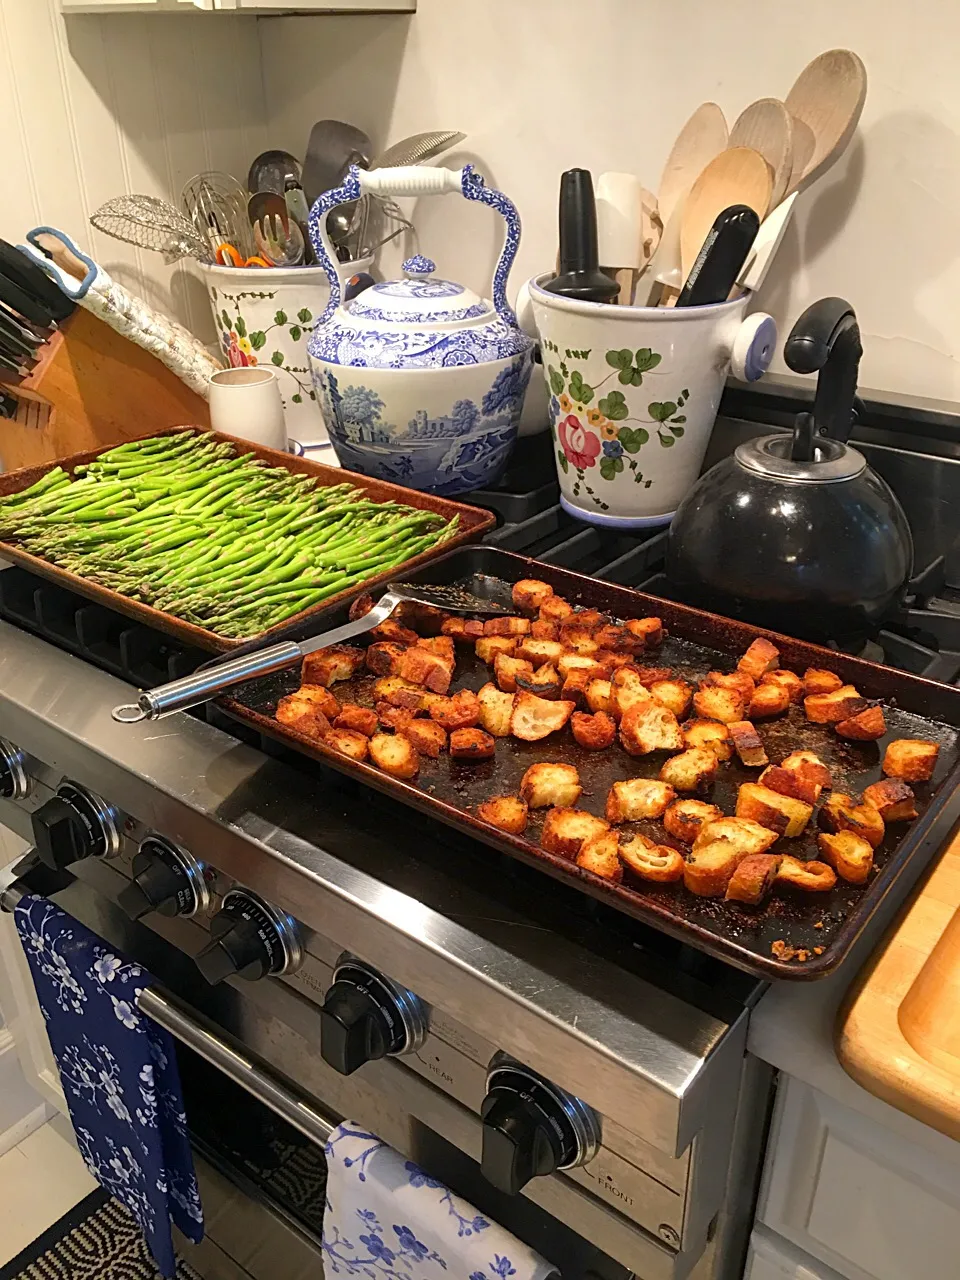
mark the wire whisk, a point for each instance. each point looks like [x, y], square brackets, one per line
[151, 223]
[216, 204]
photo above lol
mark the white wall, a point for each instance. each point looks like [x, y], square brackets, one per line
[95, 107]
[542, 85]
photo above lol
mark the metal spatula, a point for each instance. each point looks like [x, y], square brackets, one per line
[201, 686]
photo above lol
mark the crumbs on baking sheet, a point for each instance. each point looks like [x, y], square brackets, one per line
[783, 951]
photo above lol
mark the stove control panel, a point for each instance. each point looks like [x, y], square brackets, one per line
[165, 878]
[366, 1016]
[531, 1127]
[251, 939]
[72, 825]
[14, 779]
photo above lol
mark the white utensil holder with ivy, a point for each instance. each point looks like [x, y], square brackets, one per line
[634, 393]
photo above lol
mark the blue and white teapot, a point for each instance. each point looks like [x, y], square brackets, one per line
[420, 380]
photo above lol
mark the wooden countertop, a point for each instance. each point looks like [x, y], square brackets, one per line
[898, 1032]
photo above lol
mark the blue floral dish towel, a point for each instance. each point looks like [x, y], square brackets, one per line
[119, 1074]
[385, 1218]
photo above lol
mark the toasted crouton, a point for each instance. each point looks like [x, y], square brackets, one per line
[788, 782]
[495, 710]
[788, 680]
[748, 744]
[866, 726]
[649, 726]
[462, 630]
[618, 639]
[568, 662]
[433, 670]
[509, 813]
[533, 718]
[392, 630]
[768, 700]
[692, 770]
[441, 645]
[657, 863]
[383, 658]
[892, 799]
[594, 732]
[811, 768]
[709, 869]
[360, 719]
[591, 618]
[710, 734]
[506, 627]
[675, 694]
[394, 755]
[716, 703]
[685, 819]
[312, 698]
[544, 629]
[613, 659]
[551, 785]
[600, 697]
[761, 657]
[628, 691]
[753, 879]
[599, 854]
[530, 593]
[487, 647]
[326, 666]
[543, 681]
[744, 834]
[539, 653]
[565, 830]
[636, 798]
[816, 680]
[850, 855]
[912, 759]
[506, 670]
[471, 744]
[738, 680]
[649, 675]
[841, 814]
[831, 708]
[304, 717]
[348, 742]
[577, 638]
[783, 814]
[555, 609]
[649, 630]
[574, 687]
[811, 877]
[427, 736]
[462, 711]
[393, 717]
[398, 692]
[360, 607]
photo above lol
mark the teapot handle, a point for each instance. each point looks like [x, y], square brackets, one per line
[415, 180]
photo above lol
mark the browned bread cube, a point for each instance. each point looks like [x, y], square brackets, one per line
[745, 835]
[541, 652]
[496, 708]
[753, 879]
[427, 736]
[506, 627]
[761, 657]
[850, 855]
[556, 609]
[441, 645]
[311, 698]
[391, 629]
[576, 637]
[565, 830]
[841, 814]
[892, 799]
[811, 877]
[748, 744]
[812, 773]
[530, 593]
[462, 711]
[783, 814]
[866, 726]
[326, 666]
[716, 703]
[685, 819]
[543, 681]
[613, 659]
[471, 744]
[600, 697]
[629, 691]
[649, 675]
[574, 687]
[709, 869]
[912, 759]
[636, 798]
[593, 732]
[393, 717]
[657, 863]
[509, 813]
[600, 855]
[816, 680]
[433, 670]
[768, 700]
[487, 647]
[533, 718]
[303, 717]
[649, 630]
[692, 770]
[543, 629]
[617, 638]
[647, 727]
[591, 618]
[738, 680]
[506, 669]
[551, 785]
[790, 782]
[360, 719]
[675, 694]
[398, 692]
[569, 661]
[394, 755]
[462, 630]
[788, 680]
[383, 658]
[710, 734]
[831, 708]
[360, 607]
[348, 742]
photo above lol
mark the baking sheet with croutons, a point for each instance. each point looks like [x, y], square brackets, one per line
[810, 931]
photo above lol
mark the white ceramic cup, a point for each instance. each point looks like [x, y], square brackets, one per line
[247, 403]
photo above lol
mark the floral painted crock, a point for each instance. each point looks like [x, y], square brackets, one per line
[420, 380]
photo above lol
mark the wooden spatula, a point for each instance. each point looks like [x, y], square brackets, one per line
[739, 175]
[767, 126]
[826, 102]
[701, 138]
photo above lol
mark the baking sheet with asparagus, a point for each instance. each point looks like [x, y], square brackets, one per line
[190, 525]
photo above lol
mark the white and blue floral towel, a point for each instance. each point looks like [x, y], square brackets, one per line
[119, 1074]
[386, 1218]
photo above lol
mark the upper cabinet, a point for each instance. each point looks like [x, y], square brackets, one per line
[238, 6]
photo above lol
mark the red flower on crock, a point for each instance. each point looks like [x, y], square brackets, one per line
[581, 446]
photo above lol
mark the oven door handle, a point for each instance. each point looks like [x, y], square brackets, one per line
[207, 1040]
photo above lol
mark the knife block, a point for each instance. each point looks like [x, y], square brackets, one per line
[90, 388]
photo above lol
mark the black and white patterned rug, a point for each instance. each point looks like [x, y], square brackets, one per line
[96, 1240]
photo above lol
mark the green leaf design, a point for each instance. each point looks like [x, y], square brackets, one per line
[633, 438]
[667, 441]
[258, 340]
[562, 459]
[625, 376]
[677, 431]
[607, 469]
[661, 410]
[563, 369]
[296, 333]
[619, 359]
[297, 399]
[636, 377]
[313, 395]
[280, 318]
[556, 382]
[579, 389]
[226, 320]
[304, 315]
[240, 326]
[277, 358]
[613, 406]
[647, 359]
[681, 417]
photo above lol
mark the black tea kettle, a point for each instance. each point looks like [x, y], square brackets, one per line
[797, 533]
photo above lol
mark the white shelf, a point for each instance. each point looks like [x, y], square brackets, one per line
[274, 7]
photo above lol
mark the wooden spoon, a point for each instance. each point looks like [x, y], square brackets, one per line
[826, 102]
[739, 175]
[767, 126]
[701, 138]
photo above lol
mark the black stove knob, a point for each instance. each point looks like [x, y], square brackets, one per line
[531, 1128]
[14, 779]
[165, 879]
[251, 940]
[73, 825]
[366, 1016]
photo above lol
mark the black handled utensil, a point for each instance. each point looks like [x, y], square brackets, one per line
[719, 262]
[16, 267]
[580, 275]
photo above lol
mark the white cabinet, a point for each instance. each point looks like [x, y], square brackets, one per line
[238, 6]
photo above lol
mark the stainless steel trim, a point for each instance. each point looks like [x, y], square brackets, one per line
[770, 456]
[230, 1058]
[583, 1120]
[15, 761]
[191, 868]
[285, 925]
[407, 1005]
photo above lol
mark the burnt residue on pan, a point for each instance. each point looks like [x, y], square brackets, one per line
[452, 790]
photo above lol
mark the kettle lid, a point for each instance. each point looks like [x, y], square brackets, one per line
[420, 298]
[770, 456]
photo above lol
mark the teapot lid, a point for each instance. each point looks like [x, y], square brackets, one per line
[420, 298]
[832, 460]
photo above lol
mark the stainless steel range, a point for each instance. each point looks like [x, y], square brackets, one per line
[325, 953]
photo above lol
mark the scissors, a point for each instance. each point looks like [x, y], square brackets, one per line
[227, 256]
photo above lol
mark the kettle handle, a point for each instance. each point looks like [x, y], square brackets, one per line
[415, 180]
